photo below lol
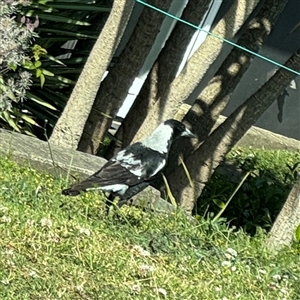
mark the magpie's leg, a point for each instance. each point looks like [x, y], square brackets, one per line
[109, 202]
[124, 202]
[113, 201]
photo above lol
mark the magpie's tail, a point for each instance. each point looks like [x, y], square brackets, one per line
[70, 192]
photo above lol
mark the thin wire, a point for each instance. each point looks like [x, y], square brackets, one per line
[219, 37]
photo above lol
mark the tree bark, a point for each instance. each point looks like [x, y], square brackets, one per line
[222, 139]
[215, 96]
[285, 226]
[166, 103]
[69, 127]
[161, 75]
[115, 86]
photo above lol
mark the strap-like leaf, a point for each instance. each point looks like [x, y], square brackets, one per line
[39, 101]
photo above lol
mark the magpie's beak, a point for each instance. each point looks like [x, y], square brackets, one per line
[188, 133]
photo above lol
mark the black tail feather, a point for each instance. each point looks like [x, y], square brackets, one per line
[70, 192]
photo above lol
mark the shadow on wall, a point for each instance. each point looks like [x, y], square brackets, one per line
[283, 115]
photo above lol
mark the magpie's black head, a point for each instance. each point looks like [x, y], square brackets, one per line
[179, 129]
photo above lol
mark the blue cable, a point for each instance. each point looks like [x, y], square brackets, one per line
[219, 37]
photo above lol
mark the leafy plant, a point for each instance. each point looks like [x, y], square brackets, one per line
[261, 196]
[15, 46]
[19, 61]
[67, 30]
[55, 61]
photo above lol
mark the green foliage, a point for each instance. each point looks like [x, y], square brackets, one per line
[36, 65]
[67, 30]
[57, 247]
[260, 198]
[15, 45]
[18, 62]
[51, 68]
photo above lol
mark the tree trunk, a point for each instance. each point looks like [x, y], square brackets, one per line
[161, 75]
[214, 98]
[167, 103]
[285, 226]
[221, 141]
[115, 86]
[69, 127]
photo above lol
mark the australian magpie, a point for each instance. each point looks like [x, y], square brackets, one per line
[134, 167]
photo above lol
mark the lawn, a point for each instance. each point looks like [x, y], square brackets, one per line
[57, 247]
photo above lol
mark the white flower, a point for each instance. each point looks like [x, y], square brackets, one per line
[53, 237]
[84, 231]
[144, 269]
[273, 284]
[230, 254]
[283, 291]
[3, 209]
[30, 223]
[139, 250]
[285, 277]
[233, 268]
[262, 271]
[161, 291]
[45, 222]
[10, 263]
[276, 277]
[136, 288]
[226, 263]
[79, 288]
[33, 274]
[5, 219]
[9, 252]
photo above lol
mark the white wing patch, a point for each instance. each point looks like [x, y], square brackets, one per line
[159, 168]
[115, 188]
[127, 159]
[141, 171]
[138, 172]
[134, 166]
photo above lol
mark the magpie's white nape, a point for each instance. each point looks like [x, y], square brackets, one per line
[134, 167]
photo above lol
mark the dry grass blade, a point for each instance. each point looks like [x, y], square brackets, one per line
[233, 194]
[170, 195]
[186, 171]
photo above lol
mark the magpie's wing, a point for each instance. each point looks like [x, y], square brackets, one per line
[112, 173]
[133, 165]
[142, 161]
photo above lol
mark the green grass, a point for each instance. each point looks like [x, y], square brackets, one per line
[56, 247]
